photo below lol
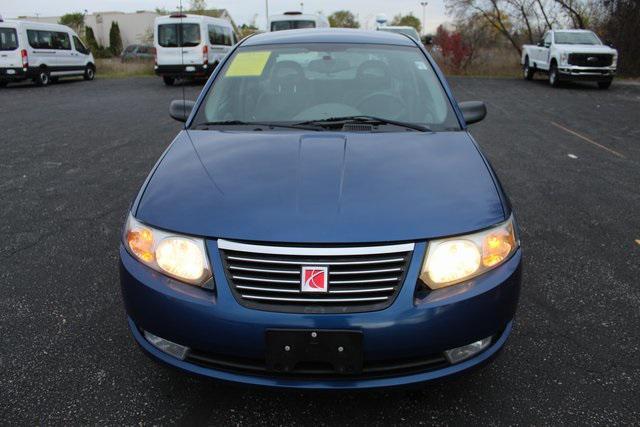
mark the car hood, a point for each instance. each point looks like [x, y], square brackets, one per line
[321, 187]
[585, 48]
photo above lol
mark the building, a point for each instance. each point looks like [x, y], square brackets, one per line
[136, 27]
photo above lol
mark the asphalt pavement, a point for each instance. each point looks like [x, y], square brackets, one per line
[73, 155]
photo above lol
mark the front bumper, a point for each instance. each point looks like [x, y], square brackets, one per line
[13, 74]
[188, 70]
[572, 72]
[412, 328]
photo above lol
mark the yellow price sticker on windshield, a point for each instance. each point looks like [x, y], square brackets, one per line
[247, 64]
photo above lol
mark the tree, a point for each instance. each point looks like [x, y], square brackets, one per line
[246, 30]
[455, 51]
[73, 20]
[197, 6]
[621, 28]
[90, 38]
[343, 19]
[115, 40]
[407, 21]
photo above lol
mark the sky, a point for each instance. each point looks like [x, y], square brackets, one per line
[242, 11]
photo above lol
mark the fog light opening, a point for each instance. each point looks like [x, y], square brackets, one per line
[166, 346]
[458, 354]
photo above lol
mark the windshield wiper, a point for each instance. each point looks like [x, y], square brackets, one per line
[372, 120]
[265, 124]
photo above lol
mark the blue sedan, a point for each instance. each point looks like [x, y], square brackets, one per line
[324, 220]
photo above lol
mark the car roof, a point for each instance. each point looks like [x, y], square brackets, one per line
[329, 35]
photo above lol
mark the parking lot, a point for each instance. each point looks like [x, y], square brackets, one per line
[73, 155]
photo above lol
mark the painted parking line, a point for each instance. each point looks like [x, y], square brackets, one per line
[590, 141]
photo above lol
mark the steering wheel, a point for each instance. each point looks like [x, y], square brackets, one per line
[382, 104]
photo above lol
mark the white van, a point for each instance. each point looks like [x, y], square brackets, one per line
[296, 20]
[190, 45]
[42, 52]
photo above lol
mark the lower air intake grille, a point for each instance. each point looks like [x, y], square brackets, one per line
[359, 279]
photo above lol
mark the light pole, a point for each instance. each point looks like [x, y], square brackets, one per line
[266, 3]
[424, 16]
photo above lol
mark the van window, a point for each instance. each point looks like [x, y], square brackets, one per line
[39, 39]
[8, 39]
[80, 47]
[291, 25]
[178, 35]
[220, 35]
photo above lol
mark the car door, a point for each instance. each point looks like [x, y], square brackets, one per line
[9, 52]
[545, 51]
[42, 50]
[80, 53]
[65, 61]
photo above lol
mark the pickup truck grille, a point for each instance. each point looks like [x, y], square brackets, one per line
[360, 279]
[590, 59]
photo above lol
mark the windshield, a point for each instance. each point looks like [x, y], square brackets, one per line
[8, 39]
[291, 25]
[411, 32]
[309, 82]
[179, 35]
[582, 37]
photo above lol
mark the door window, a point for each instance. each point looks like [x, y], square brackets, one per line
[547, 40]
[80, 47]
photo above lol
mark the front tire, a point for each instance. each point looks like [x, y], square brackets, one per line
[43, 78]
[169, 81]
[605, 84]
[89, 73]
[554, 79]
[527, 71]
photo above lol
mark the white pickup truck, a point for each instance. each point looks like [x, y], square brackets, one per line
[570, 55]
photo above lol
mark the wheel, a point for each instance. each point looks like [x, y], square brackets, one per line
[527, 71]
[605, 84]
[169, 81]
[554, 79]
[43, 78]
[89, 72]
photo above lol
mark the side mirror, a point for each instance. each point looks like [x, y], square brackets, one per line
[609, 43]
[473, 111]
[541, 43]
[181, 109]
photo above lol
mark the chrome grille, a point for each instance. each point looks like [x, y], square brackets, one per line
[360, 279]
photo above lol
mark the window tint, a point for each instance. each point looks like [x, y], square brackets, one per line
[547, 39]
[80, 47]
[220, 35]
[291, 25]
[8, 39]
[294, 83]
[178, 35]
[39, 39]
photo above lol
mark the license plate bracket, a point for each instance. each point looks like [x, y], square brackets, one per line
[288, 348]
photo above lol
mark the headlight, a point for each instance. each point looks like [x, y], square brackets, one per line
[564, 57]
[453, 260]
[614, 62]
[181, 257]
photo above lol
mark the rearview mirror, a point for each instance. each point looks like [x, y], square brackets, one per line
[181, 109]
[473, 111]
